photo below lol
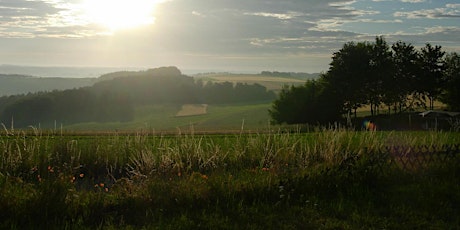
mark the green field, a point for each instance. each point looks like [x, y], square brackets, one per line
[270, 82]
[162, 118]
[251, 116]
[329, 179]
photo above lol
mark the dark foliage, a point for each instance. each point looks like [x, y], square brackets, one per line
[373, 74]
[451, 95]
[311, 103]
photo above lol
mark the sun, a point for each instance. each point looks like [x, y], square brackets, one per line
[120, 14]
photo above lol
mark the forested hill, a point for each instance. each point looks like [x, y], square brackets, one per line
[114, 97]
[11, 84]
[157, 72]
[169, 85]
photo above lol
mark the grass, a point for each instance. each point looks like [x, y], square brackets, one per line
[192, 110]
[329, 179]
[162, 118]
[270, 82]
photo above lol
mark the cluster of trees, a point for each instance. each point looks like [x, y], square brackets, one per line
[297, 75]
[114, 97]
[68, 106]
[169, 85]
[399, 78]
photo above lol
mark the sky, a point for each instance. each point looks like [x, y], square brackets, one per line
[214, 35]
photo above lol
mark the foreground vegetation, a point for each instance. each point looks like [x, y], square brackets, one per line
[327, 179]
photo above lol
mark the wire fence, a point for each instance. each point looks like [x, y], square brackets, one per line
[419, 157]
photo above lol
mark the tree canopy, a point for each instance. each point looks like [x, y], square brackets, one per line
[374, 74]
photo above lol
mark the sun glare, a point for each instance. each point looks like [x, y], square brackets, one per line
[120, 14]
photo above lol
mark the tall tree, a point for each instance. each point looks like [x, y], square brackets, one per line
[401, 87]
[348, 72]
[311, 103]
[431, 78]
[382, 69]
[451, 94]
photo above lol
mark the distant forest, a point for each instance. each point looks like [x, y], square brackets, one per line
[115, 95]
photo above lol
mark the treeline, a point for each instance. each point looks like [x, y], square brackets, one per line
[297, 75]
[65, 107]
[169, 85]
[399, 78]
[116, 95]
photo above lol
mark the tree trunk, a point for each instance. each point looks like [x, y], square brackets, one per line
[372, 109]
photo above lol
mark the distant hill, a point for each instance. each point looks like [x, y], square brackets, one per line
[12, 84]
[114, 97]
[64, 72]
[26, 79]
[271, 80]
[157, 72]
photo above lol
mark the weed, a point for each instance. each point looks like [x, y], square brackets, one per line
[332, 178]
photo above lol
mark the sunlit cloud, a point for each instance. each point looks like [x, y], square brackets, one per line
[198, 32]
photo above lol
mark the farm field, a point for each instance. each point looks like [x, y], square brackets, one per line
[163, 118]
[328, 179]
[270, 82]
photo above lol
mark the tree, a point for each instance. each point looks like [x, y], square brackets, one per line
[348, 72]
[402, 83]
[451, 93]
[378, 82]
[311, 103]
[431, 78]
[29, 110]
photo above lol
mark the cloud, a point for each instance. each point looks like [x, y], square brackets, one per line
[33, 18]
[413, 1]
[218, 33]
[449, 11]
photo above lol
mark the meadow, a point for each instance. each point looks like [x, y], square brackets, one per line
[331, 178]
[164, 118]
[270, 82]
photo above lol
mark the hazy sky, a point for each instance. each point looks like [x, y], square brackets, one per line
[221, 35]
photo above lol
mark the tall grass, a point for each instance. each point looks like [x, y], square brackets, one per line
[188, 180]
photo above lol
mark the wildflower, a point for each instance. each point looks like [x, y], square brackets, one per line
[34, 169]
[39, 178]
[50, 169]
[101, 185]
[72, 180]
[204, 177]
[265, 169]
[106, 189]
[82, 175]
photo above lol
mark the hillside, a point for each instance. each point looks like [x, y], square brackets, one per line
[118, 97]
[12, 84]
